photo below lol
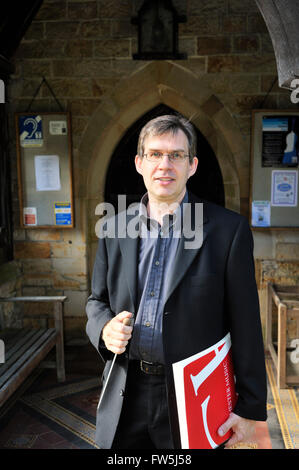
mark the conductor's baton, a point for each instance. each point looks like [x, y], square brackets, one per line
[128, 322]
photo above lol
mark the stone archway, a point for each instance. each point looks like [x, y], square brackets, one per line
[122, 177]
[171, 84]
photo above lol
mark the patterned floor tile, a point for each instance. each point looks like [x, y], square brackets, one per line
[48, 415]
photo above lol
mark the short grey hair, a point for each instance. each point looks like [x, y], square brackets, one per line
[165, 124]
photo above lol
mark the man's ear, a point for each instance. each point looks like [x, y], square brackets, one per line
[193, 167]
[138, 164]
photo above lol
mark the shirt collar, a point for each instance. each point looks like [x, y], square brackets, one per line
[168, 219]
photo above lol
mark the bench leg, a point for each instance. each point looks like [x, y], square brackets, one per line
[58, 314]
[268, 338]
[282, 345]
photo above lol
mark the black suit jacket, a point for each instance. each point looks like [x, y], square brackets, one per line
[212, 291]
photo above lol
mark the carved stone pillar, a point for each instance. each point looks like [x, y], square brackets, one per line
[282, 20]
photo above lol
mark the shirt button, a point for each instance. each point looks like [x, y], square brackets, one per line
[147, 323]
[157, 263]
[152, 293]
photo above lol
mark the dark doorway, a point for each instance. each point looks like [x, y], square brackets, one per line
[122, 177]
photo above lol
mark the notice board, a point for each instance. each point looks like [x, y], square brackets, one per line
[44, 155]
[274, 169]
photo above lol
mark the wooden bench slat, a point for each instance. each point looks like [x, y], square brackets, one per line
[34, 299]
[19, 349]
[46, 336]
[16, 343]
[16, 379]
[11, 336]
[26, 349]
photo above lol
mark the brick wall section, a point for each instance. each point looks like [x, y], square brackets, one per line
[10, 285]
[83, 48]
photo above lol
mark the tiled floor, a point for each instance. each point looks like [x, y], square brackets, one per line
[48, 415]
[45, 414]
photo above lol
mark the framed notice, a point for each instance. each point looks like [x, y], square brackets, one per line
[280, 140]
[274, 169]
[45, 170]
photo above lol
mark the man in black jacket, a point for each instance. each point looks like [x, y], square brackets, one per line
[185, 294]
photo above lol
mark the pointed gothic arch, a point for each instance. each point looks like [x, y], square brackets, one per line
[182, 90]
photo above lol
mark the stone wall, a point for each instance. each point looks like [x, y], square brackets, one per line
[84, 50]
[11, 315]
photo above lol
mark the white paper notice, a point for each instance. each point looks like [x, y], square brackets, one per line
[261, 213]
[30, 216]
[58, 127]
[284, 188]
[47, 173]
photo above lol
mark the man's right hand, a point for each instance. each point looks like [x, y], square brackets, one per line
[115, 334]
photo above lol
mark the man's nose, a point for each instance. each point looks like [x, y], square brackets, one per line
[165, 161]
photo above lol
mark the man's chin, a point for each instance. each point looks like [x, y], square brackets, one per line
[165, 196]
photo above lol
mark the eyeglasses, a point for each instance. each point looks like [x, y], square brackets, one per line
[156, 156]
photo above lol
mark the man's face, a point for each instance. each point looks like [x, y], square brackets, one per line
[166, 181]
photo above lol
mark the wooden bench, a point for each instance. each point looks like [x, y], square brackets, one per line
[25, 349]
[286, 300]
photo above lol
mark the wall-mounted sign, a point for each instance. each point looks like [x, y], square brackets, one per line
[63, 213]
[280, 141]
[31, 130]
[260, 213]
[274, 169]
[284, 188]
[45, 170]
[30, 216]
[58, 127]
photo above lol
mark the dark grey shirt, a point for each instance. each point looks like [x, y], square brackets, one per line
[157, 249]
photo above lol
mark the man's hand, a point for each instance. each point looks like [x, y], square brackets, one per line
[243, 429]
[115, 334]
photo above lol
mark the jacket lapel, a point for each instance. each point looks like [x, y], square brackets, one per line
[129, 251]
[185, 253]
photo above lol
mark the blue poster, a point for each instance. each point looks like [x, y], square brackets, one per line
[31, 131]
[63, 213]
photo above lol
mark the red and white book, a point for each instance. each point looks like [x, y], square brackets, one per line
[205, 394]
